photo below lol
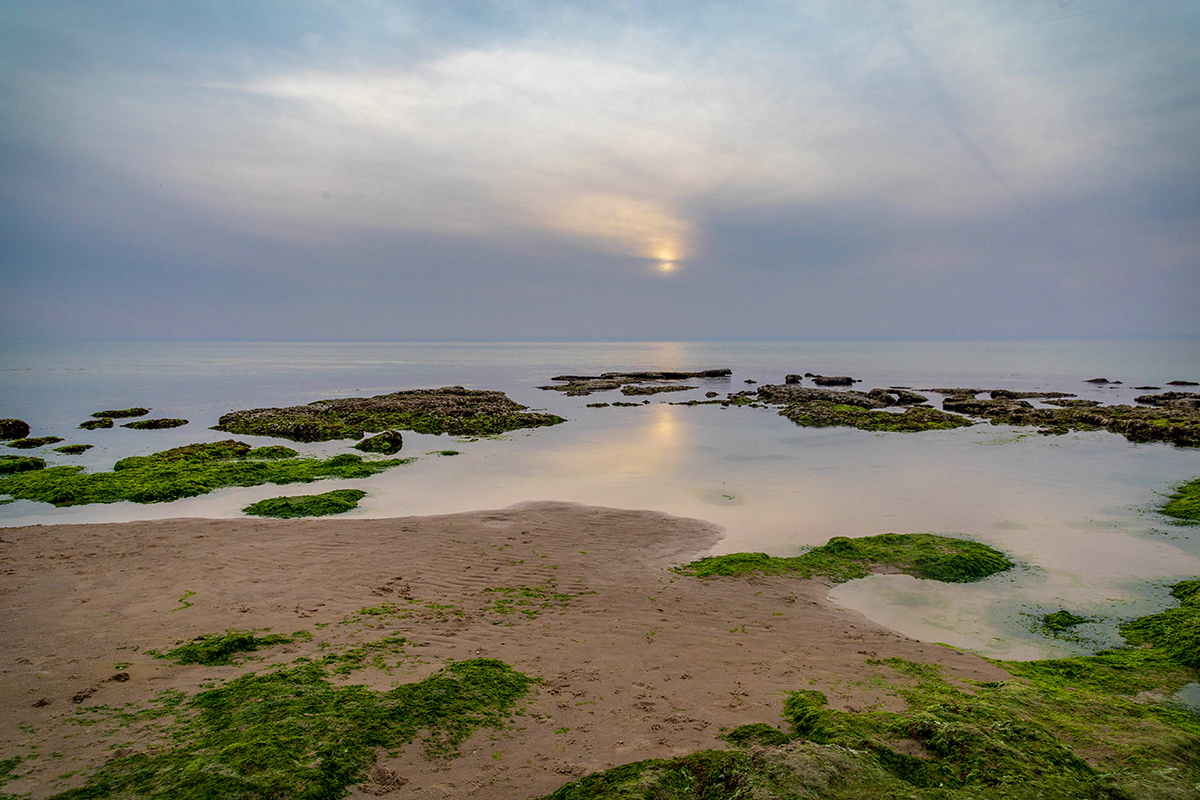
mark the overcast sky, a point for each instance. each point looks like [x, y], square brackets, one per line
[455, 171]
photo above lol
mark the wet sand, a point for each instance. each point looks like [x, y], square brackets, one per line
[635, 661]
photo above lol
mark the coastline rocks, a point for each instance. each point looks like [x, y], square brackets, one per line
[73, 449]
[11, 464]
[836, 380]
[1182, 383]
[13, 429]
[787, 394]
[155, 424]
[1102, 381]
[387, 443]
[1006, 394]
[123, 413]
[93, 424]
[793, 378]
[1076, 403]
[821, 414]
[38, 441]
[960, 391]
[710, 394]
[1181, 401]
[581, 385]
[450, 409]
[629, 391]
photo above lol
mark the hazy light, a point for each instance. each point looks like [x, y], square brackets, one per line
[666, 266]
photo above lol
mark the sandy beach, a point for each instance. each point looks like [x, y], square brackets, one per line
[634, 660]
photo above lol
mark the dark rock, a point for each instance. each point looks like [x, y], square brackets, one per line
[821, 413]
[155, 424]
[882, 396]
[73, 449]
[789, 394]
[597, 405]
[579, 385]
[93, 424]
[710, 394]
[1101, 380]
[750, 380]
[793, 378]
[970, 392]
[904, 397]
[122, 413]
[1182, 383]
[657, 388]
[11, 464]
[387, 443]
[1182, 401]
[836, 380]
[984, 408]
[37, 441]
[1073, 403]
[1006, 394]
[1147, 388]
[451, 409]
[13, 429]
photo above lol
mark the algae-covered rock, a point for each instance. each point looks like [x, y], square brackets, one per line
[822, 413]
[11, 464]
[13, 429]
[93, 424]
[656, 388]
[155, 424]
[38, 441]
[122, 413]
[73, 449]
[580, 385]
[387, 443]
[339, 501]
[451, 409]
[788, 394]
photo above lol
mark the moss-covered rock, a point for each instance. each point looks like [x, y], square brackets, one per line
[155, 424]
[388, 443]
[181, 472]
[339, 501]
[922, 555]
[822, 414]
[37, 441]
[122, 413]
[95, 424]
[1184, 503]
[73, 449]
[580, 385]
[13, 429]
[272, 452]
[11, 464]
[1062, 621]
[451, 409]
[655, 388]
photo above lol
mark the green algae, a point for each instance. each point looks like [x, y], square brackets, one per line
[272, 452]
[338, 501]
[1174, 632]
[823, 413]
[219, 649]
[73, 449]
[95, 424]
[387, 443]
[11, 464]
[185, 471]
[1062, 621]
[122, 413]
[155, 424]
[293, 733]
[922, 555]
[37, 441]
[756, 733]
[1184, 503]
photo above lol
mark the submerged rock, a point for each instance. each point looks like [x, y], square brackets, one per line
[580, 385]
[73, 449]
[836, 380]
[13, 429]
[1001, 394]
[122, 413]
[155, 424]
[787, 394]
[451, 409]
[654, 389]
[93, 424]
[387, 443]
[37, 441]
[1182, 383]
[1101, 380]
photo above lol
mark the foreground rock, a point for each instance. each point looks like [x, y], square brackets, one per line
[582, 385]
[451, 409]
[387, 443]
[820, 408]
[94, 424]
[155, 424]
[13, 429]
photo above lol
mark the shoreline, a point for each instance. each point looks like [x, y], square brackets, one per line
[635, 661]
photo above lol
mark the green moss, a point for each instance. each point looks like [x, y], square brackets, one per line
[758, 733]
[292, 733]
[272, 452]
[94, 424]
[447, 452]
[37, 441]
[370, 654]
[181, 472]
[217, 649]
[1184, 503]
[1062, 621]
[122, 413]
[155, 424]
[528, 601]
[73, 449]
[339, 501]
[922, 555]
[823, 413]
[629, 391]
[11, 464]
[387, 443]
[1175, 632]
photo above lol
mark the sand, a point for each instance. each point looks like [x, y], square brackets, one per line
[640, 662]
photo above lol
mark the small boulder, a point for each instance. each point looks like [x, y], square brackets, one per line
[93, 424]
[13, 429]
[386, 443]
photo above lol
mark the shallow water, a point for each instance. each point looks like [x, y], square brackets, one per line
[1077, 510]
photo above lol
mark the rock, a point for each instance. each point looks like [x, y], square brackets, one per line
[155, 424]
[1002, 394]
[11, 464]
[836, 380]
[750, 380]
[387, 443]
[1182, 401]
[13, 429]
[1147, 388]
[820, 414]
[970, 392]
[122, 413]
[579, 385]
[38, 441]
[793, 378]
[1182, 383]
[710, 394]
[785, 394]
[1073, 403]
[654, 389]
[93, 424]
[73, 449]
[1101, 380]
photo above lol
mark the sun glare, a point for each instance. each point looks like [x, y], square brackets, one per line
[666, 266]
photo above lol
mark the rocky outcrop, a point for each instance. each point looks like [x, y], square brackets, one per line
[38, 441]
[656, 388]
[123, 413]
[789, 394]
[93, 424]
[450, 409]
[155, 424]
[387, 443]
[13, 429]
[11, 464]
[1008, 394]
[1182, 383]
[835, 380]
[1182, 401]
[581, 385]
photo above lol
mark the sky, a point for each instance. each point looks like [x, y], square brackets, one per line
[563, 171]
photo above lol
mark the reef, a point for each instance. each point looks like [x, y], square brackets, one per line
[93, 424]
[582, 385]
[11, 464]
[122, 413]
[819, 408]
[186, 471]
[388, 443]
[155, 424]
[13, 429]
[630, 391]
[338, 501]
[451, 409]
[73, 449]
[37, 441]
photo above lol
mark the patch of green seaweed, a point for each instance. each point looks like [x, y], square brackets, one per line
[36, 441]
[823, 413]
[216, 649]
[292, 733]
[73, 449]
[1184, 503]
[186, 471]
[122, 413]
[155, 424]
[1061, 622]
[1176, 631]
[95, 424]
[922, 555]
[11, 464]
[338, 501]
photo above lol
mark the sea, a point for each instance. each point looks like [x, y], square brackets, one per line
[1076, 512]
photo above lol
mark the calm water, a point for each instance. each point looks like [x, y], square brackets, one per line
[1076, 509]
